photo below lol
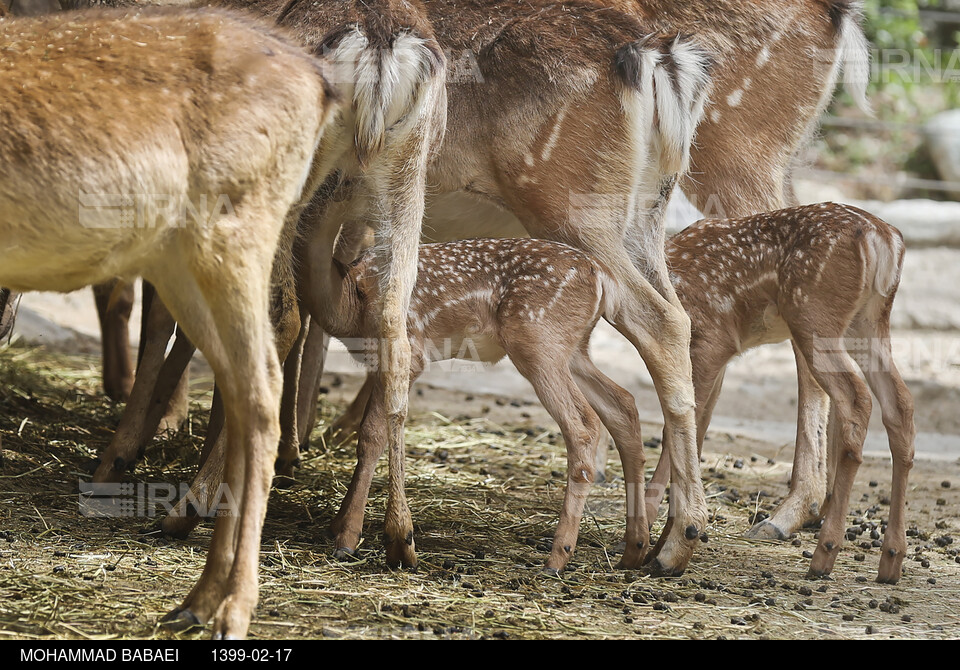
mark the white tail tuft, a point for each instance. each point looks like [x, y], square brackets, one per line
[853, 55]
[681, 85]
[887, 259]
[389, 83]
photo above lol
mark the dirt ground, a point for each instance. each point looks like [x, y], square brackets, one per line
[485, 477]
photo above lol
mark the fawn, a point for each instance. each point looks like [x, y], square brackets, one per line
[532, 300]
[823, 276]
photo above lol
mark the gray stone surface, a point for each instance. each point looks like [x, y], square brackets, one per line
[942, 135]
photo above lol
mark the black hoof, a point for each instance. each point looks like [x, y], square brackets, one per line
[817, 574]
[655, 568]
[345, 554]
[92, 465]
[887, 580]
[180, 620]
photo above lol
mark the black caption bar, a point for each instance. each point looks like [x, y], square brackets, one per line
[151, 651]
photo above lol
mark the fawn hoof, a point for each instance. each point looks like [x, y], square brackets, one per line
[550, 572]
[817, 573]
[402, 553]
[891, 565]
[92, 465]
[766, 531]
[180, 620]
[655, 568]
[345, 554]
[177, 528]
[283, 470]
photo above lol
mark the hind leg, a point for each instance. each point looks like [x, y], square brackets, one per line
[347, 525]
[114, 317]
[134, 430]
[896, 403]
[311, 371]
[707, 382]
[618, 413]
[226, 315]
[551, 378]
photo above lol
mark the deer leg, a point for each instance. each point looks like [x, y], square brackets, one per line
[203, 498]
[618, 413]
[835, 373]
[896, 403]
[175, 404]
[398, 186]
[8, 311]
[179, 403]
[245, 361]
[311, 370]
[348, 423]
[114, 317]
[580, 426]
[661, 332]
[133, 430]
[808, 484]
[707, 382]
[347, 525]
[288, 456]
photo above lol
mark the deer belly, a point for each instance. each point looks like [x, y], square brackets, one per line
[768, 328]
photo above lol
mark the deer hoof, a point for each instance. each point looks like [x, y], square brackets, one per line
[655, 568]
[766, 531]
[345, 554]
[180, 620]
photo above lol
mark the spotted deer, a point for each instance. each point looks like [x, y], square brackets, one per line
[203, 105]
[480, 300]
[823, 276]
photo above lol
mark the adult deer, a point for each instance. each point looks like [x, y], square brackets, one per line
[207, 108]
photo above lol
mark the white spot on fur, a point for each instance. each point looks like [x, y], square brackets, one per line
[734, 98]
[763, 56]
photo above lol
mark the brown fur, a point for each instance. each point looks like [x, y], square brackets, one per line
[479, 300]
[816, 275]
[201, 103]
